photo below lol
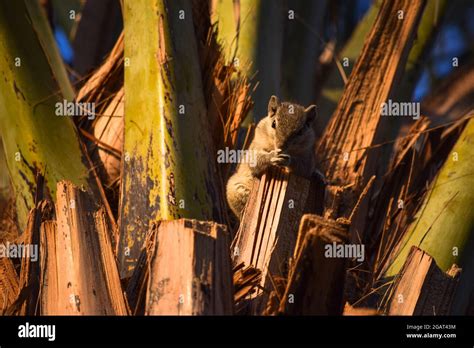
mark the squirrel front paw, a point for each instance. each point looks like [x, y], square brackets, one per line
[280, 159]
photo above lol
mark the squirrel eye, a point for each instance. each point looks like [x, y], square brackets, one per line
[274, 124]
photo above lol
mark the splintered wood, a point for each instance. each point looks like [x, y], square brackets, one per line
[344, 145]
[8, 284]
[356, 311]
[267, 234]
[246, 281]
[108, 134]
[422, 288]
[391, 206]
[316, 282]
[109, 77]
[80, 271]
[189, 269]
[30, 272]
[137, 285]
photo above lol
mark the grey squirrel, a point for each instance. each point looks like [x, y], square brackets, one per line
[285, 137]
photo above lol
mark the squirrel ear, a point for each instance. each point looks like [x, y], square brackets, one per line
[310, 113]
[273, 105]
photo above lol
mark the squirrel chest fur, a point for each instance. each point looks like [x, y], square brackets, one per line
[285, 138]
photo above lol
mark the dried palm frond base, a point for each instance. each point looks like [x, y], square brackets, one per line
[246, 281]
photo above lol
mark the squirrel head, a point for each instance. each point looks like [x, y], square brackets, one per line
[291, 124]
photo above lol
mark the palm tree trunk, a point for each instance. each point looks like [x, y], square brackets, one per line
[168, 157]
[444, 225]
[251, 32]
[35, 139]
